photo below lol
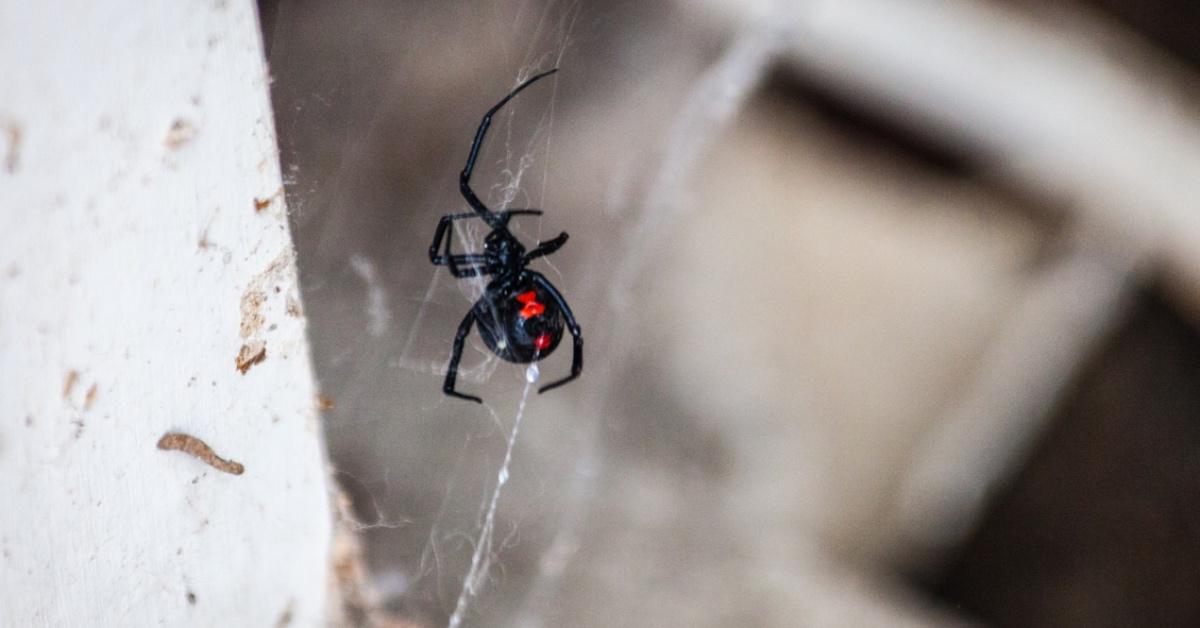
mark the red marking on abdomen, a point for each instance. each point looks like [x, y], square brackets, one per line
[542, 342]
[532, 307]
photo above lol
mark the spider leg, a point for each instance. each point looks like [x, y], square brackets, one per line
[464, 328]
[442, 234]
[572, 326]
[476, 265]
[522, 212]
[464, 180]
[545, 248]
[442, 237]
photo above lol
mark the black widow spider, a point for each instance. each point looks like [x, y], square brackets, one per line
[521, 313]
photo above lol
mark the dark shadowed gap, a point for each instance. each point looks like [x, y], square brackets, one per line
[1102, 525]
[874, 130]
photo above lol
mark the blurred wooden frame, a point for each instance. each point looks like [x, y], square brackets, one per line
[1074, 110]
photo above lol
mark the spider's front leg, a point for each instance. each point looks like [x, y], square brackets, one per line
[466, 265]
[494, 219]
[464, 328]
[545, 248]
[442, 236]
[475, 264]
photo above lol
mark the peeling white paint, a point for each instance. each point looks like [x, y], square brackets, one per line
[129, 237]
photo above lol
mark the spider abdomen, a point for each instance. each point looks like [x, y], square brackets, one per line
[520, 325]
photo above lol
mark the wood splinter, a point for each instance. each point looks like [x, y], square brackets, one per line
[199, 449]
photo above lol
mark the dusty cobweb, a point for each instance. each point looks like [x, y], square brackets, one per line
[404, 312]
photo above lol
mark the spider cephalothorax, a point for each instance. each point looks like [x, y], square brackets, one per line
[521, 315]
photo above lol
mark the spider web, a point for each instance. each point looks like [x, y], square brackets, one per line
[446, 498]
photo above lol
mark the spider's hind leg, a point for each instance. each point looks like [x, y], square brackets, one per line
[572, 326]
[464, 328]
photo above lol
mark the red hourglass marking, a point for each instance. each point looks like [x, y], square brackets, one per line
[532, 307]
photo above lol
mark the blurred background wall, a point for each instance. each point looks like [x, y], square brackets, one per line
[890, 307]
